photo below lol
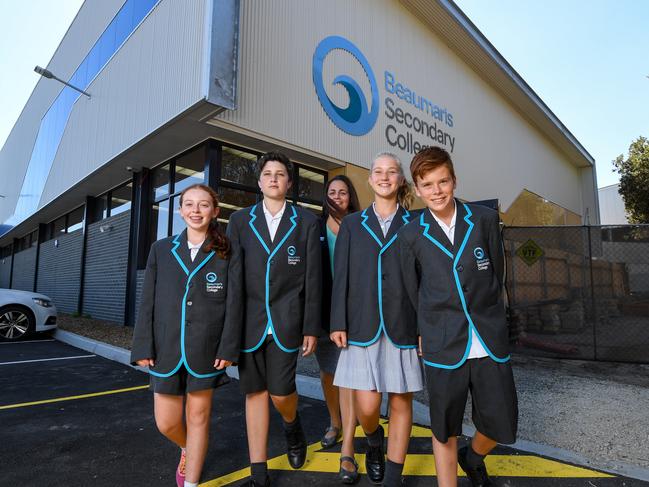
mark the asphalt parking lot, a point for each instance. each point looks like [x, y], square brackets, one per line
[70, 418]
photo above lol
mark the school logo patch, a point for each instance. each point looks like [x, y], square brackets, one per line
[293, 259]
[482, 262]
[212, 284]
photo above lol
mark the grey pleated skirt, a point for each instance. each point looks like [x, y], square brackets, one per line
[380, 367]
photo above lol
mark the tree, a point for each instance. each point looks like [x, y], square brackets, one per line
[634, 180]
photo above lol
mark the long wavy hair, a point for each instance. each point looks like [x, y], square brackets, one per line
[331, 209]
[216, 239]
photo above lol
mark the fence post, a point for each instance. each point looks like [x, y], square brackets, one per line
[592, 292]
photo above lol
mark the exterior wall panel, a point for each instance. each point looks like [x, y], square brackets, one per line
[497, 151]
[5, 272]
[24, 269]
[59, 270]
[105, 273]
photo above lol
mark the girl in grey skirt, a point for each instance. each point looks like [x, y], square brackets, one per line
[374, 322]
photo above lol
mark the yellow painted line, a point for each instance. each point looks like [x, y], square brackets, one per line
[72, 398]
[423, 465]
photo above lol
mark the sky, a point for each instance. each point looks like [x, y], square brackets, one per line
[587, 59]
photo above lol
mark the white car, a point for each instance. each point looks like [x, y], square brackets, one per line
[23, 313]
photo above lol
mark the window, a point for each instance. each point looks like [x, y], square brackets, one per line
[6, 252]
[75, 220]
[310, 184]
[114, 202]
[239, 167]
[160, 182]
[27, 241]
[189, 169]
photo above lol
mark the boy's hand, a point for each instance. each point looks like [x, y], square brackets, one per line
[220, 364]
[419, 352]
[309, 345]
[146, 362]
[339, 338]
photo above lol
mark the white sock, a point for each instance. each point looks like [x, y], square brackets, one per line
[191, 484]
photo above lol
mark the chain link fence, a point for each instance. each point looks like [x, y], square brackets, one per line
[579, 292]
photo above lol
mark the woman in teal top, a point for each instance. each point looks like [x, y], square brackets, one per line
[340, 200]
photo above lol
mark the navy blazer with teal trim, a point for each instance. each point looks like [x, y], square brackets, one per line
[283, 278]
[368, 297]
[190, 311]
[456, 287]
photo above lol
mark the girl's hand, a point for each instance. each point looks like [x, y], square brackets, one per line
[220, 364]
[308, 345]
[146, 362]
[339, 338]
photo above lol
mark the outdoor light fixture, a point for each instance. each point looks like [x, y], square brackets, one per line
[48, 74]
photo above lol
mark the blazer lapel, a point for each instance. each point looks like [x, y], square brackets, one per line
[259, 227]
[434, 232]
[371, 225]
[181, 252]
[400, 219]
[285, 225]
[461, 226]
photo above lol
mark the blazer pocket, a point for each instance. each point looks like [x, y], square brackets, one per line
[435, 336]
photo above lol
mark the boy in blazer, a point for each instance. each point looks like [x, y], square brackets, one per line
[453, 269]
[280, 250]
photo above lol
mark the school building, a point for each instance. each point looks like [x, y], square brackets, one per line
[185, 91]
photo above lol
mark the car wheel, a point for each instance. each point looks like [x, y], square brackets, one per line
[15, 323]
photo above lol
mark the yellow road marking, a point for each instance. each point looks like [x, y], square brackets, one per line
[423, 464]
[72, 398]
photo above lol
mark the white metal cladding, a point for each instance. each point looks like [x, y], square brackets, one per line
[90, 22]
[497, 151]
[155, 76]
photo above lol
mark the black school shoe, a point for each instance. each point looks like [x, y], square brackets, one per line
[477, 475]
[375, 461]
[295, 444]
[348, 477]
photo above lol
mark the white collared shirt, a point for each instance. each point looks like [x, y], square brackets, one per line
[194, 248]
[273, 221]
[384, 223]
[477, 350]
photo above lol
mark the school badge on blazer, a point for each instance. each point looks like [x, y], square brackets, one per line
[293, 259]
[482, 262]
[212, 285]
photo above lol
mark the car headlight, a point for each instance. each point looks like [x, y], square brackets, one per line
[43, 302]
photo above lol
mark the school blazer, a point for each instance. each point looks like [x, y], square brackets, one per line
[456, 288]
[327, 278]
[190, 312]
[368, 297]
[283, 278]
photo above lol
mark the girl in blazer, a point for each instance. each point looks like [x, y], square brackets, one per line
[340, 200]
[373, 320]
[280, 248]
[453, 269]
[188, 327]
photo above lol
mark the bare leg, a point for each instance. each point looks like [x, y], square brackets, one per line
[367, 405]
[168, 412]
[286, 406]
[400, 426]
[331, 395]
[349, 425]
[197, 411]
[446, 461]
[482, 444]
[257, 420]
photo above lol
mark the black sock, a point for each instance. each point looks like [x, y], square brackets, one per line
[393, 473]
[375, 438]
[472, 458]
[259, 472]
[291, 426]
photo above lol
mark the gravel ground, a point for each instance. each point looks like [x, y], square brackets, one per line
[595, 409]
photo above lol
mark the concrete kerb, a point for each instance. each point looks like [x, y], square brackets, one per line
[310, 387]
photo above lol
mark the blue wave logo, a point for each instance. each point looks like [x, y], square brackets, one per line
[478, 253]
[357, 118]
[211, 277]
[291, 250]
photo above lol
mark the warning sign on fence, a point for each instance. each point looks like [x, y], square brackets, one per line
[530, 252]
